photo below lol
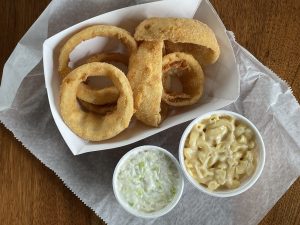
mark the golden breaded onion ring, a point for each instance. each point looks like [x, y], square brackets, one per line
[145, 70]
[89, 125]
[192, 80]
[107, 95]
[181, 31]
[89, 33]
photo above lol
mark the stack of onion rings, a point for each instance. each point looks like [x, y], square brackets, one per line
[100, 114]
[188, 44]
[97, 108]
[98, 97]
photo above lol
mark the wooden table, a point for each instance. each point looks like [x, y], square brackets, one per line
[32, 194]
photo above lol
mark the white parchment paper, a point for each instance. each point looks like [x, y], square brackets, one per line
[265, 99]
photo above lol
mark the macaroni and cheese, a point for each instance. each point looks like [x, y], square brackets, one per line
[220, 152]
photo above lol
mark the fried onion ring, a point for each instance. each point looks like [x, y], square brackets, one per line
[192, 79]
[106, 95]
[89, 33]
[145, 70]
[181, 31]
[89, 125]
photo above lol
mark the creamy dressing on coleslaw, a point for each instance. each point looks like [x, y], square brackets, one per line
[148, 181]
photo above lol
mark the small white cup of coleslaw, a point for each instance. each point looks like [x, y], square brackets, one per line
[222, 153]
[148, 181]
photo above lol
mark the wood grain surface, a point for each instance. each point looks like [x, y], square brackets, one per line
[31, 194]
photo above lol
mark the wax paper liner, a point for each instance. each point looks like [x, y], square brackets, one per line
[265, 99]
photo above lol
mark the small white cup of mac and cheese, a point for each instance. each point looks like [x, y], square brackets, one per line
[222, 153]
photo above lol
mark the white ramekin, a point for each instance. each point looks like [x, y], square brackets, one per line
[246, 184]
[125, 205]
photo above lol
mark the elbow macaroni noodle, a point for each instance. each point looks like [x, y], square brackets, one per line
[220, 152]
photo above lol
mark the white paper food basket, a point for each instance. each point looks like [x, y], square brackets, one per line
[221, 79]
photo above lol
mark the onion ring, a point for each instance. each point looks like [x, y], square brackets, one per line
[106, 95]
[89, 33]
[145, 71]
[192, 81]
[179, 31]
[89, 125]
